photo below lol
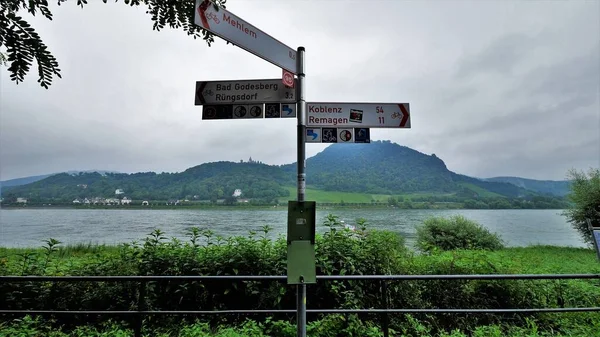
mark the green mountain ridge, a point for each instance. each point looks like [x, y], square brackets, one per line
[378, 168]
[32, 179]
[550, 187]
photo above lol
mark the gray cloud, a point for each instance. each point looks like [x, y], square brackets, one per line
[495, 88]
[501, 56]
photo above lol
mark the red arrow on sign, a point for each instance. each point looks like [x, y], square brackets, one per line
[199, 92]
[405, 115]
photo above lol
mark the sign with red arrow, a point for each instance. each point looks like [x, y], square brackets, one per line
[358, 115]
[232, 28]
[243, 92]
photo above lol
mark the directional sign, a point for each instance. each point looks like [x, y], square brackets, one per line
[243, 91]
[313, 135]
[337, 135]
[352, 115]
[231, 111]
[231, 28]
[288, 110]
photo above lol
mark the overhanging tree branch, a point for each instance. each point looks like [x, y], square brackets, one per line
[23, 44]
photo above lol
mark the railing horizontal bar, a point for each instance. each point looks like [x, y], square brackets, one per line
[283, 277]
[141, 278]
[149, 312]
[441, 311]
[463, 277]
[316, 311]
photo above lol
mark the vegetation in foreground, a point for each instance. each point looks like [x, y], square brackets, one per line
[339, 252]
[585, 198]
[332, 325]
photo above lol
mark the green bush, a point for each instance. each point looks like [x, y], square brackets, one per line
[457, 232]
[339, 252]
[585, 202]
[331, 326]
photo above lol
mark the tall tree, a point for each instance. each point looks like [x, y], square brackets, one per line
[22, 43]
[585, 198]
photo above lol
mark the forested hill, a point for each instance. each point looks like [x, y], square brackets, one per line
[204, 182]
[559, 188]
[380, 167]
[383, 167]
[31, 179]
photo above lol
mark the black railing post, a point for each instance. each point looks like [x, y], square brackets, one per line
[141, 306]
[385, 325]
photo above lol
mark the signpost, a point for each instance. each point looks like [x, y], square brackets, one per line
[276, 98]
[365, 115]
[243, 91]
[233, 101]
[231, 28]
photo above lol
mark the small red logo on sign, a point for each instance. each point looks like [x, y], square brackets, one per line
[288, 79]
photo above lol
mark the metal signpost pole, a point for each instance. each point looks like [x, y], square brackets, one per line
[241, 99]
[301, 113]
[595, 231]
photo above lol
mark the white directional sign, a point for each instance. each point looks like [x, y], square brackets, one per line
[358, 115]
[338, 135]
[243, 91]
[229, 27]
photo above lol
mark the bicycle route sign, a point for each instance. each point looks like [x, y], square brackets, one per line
[338, 135]
[358, 115]
[248, 111]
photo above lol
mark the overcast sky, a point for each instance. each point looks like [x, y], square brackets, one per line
[495, 87]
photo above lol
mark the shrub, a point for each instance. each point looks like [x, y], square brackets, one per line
[585, 199]
[457, 232]
[339, 251]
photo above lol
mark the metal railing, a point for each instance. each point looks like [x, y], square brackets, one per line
[143, 280]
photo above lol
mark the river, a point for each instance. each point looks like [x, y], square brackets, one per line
[28, 227]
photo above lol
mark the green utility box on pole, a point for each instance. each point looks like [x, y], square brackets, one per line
[301, 264]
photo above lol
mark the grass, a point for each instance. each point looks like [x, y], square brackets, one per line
[349, 197]
[480, 191]
[543, 259]
[35, 327]
[336, 197]
[530, 260]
